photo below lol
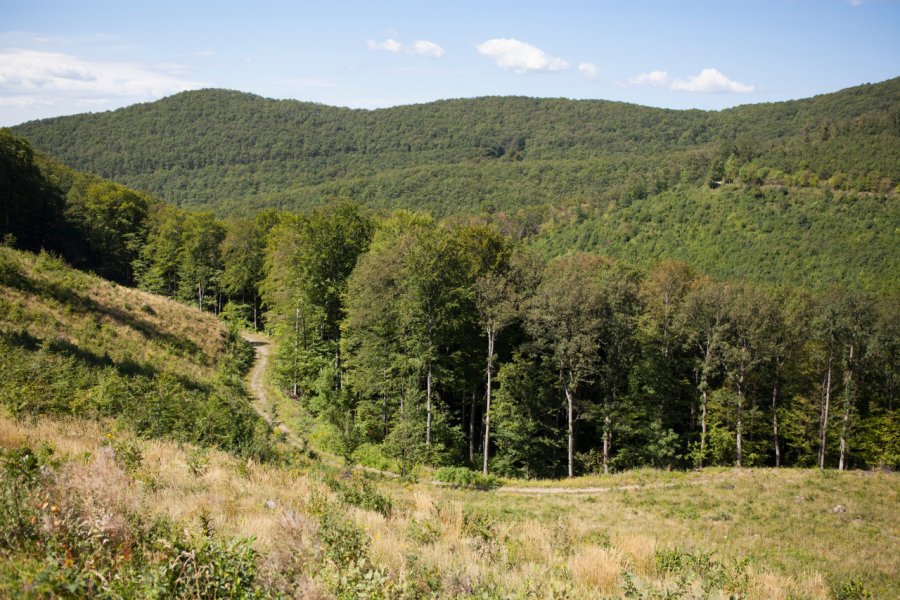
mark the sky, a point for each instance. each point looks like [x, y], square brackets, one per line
[67, 57]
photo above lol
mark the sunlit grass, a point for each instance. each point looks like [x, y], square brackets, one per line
[785, 524]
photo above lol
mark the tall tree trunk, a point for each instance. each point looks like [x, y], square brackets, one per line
[702, 386]
[823, 433]
[472, 428]
[338, 376]
[200, 296]
[848, 397]
[570, 409]
[428, 407]
[739, 436]
[775, 421]
[702, 428]
[487, 403]
[607, 440]
[255, 302]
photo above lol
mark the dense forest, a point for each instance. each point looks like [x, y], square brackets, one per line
[413, 340]
[751, 193]
[453, 345]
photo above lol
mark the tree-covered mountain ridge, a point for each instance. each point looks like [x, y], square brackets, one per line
[233, 152]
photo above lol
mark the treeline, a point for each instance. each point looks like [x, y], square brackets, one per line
[127, 236]
[226, 151]
[451, 345]
[94, 223]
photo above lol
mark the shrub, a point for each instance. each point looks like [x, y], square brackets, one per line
[423, 531]
[127, 452]
[79, 531]
[198, 462]
[852, 590]
[212, 568]
[463, 477]
[362, 494]
[20, 470]
[714, 575]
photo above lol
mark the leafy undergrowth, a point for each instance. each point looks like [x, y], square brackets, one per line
[467, 478]
[74, 344]
[88, 511]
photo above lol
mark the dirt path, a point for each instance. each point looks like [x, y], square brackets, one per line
[264, 404]
[595, 490]
[256, 380]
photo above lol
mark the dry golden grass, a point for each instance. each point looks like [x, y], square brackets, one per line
[101, 493]
[70, 437]
[232, 494]
[639, 551]
[546, 546]
[534, 543]
[596, 570]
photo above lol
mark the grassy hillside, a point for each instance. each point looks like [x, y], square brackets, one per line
[233, 152]
[74, 344]
[165, 520]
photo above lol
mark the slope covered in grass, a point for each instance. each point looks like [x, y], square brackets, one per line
[74, 344]
[125, 517]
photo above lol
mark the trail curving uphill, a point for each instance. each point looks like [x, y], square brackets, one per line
[264, 405]
[262, 402]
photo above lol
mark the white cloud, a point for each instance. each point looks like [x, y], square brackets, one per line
[428, 49]
[710, 80]
[520, 57]
[589, 70]
[653, 78]
[24, 101]
[390, 45]
[205, 53]
[856, 2]
[31, 77]
[420, 47]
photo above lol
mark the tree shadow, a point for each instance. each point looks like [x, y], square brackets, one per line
[85, 305]
[127, 368]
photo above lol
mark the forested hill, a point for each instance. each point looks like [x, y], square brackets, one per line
[235, 153]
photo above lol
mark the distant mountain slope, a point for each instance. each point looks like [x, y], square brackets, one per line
[233, 152]
[806, 237]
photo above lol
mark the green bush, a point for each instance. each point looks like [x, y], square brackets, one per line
[463, 477]
[713, 574]
[852, 590]
[362, 494]
[54, 377]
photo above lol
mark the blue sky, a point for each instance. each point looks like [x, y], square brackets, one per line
[67, 57]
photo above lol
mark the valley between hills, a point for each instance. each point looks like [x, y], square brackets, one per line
[498, 347]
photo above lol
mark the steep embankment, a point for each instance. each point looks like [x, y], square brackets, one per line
[74, 344]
